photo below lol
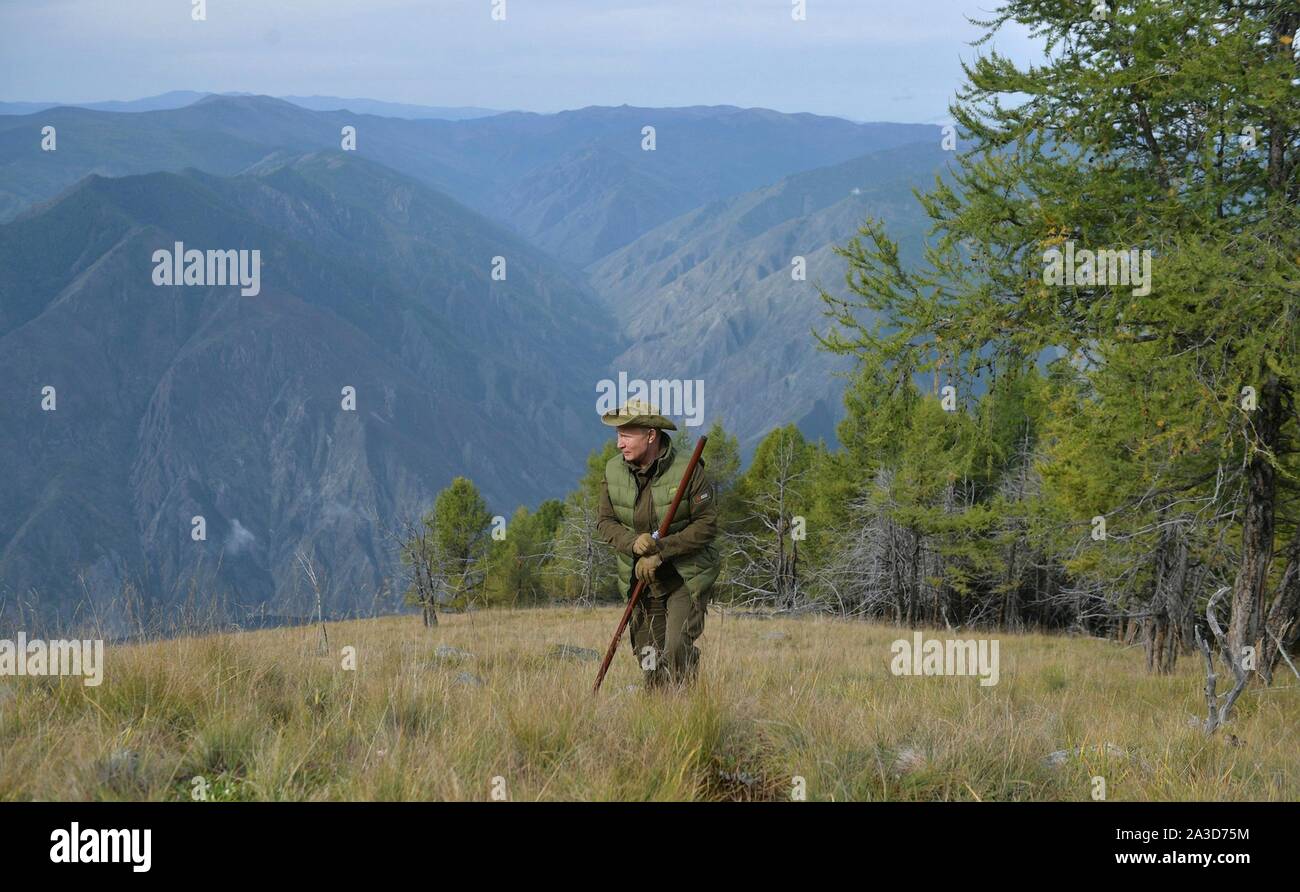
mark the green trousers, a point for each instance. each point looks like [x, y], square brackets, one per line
[664, 628]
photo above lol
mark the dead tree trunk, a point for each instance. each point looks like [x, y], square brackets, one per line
[1217, 714]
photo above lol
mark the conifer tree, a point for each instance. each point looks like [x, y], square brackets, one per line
[1131, 203]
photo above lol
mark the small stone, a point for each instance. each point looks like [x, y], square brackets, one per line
[1057, 759]
[447, 652]
[908, 761]
[739, 777]
[121, 770]
[774, 636]
[572, 652]
[468, 678]
[1060, 757]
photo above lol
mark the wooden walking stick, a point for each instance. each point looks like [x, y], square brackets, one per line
[640, 583]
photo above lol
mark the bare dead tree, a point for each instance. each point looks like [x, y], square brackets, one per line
[761, 573]
[308, 566]
[413, 539]
[859, 574]
[767, 564]
[579, 552]
[1217, 713]
[875, 569]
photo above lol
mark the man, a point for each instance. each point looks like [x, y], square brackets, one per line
[681, 567]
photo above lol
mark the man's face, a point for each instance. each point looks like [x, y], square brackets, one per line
[634, 443]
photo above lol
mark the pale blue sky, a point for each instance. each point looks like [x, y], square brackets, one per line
[895, 60]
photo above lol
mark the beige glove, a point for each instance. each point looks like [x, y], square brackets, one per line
[645, 544]
[646, 567]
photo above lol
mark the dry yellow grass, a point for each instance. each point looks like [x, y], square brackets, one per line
[264, 715]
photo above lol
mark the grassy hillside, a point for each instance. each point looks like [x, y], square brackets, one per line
[264, 715]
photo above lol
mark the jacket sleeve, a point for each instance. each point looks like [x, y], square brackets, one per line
[608, 525]
[703, 527]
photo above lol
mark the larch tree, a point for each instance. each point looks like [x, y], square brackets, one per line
[1128, 203]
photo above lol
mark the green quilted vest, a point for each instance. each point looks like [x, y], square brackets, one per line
[698, 570]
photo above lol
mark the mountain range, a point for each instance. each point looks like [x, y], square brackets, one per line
[182, 98]
[577, 184]
[714, 294]
[377, 274]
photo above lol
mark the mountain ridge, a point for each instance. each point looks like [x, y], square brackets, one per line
[181, 402]
[524, 170]
[727, 267]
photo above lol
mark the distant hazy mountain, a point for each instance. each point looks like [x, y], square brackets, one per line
[711, 295]
[172, 99]
[182, 98]
[175, 402]
[391, 109]
[107, 144]
[602, 192]
[578, 184]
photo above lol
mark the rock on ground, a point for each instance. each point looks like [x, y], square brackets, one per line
[908, 761]
[572, 652]
[121, 771]
[1060, 757]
